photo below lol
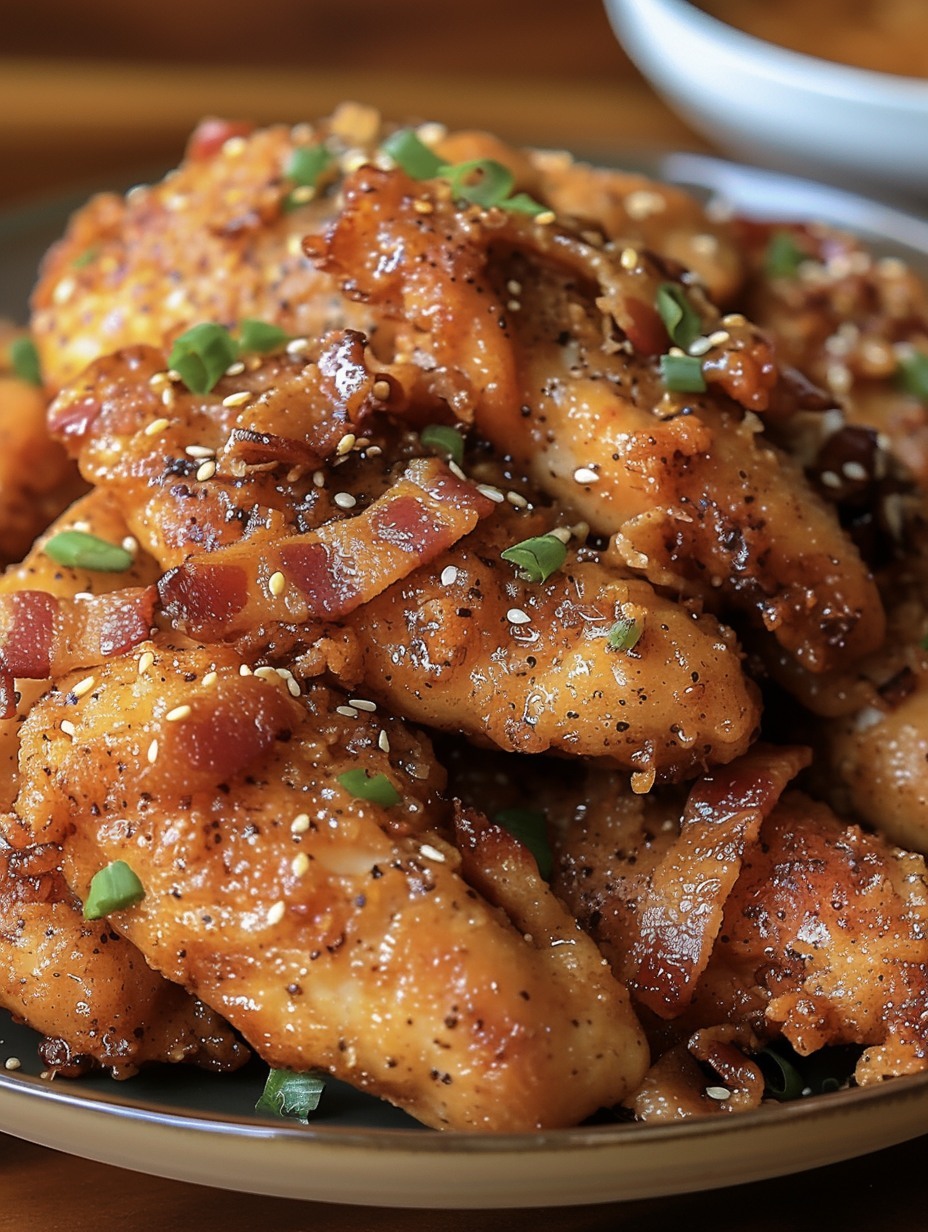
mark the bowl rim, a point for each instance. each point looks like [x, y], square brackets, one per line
[789, 66]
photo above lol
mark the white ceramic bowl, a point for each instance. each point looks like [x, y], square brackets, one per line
[769, 105]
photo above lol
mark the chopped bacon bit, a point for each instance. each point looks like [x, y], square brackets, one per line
[28, 619]
[683, 910]
[208, 591]
[71, 419]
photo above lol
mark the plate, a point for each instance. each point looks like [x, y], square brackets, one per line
[203, 1128]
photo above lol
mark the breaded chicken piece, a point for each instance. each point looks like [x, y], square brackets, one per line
[331, 930]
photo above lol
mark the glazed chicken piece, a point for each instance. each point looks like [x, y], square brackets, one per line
[562, 375]
[333, 931]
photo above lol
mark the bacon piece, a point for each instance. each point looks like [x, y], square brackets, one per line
[683, 910]
[42, 635]
[328, 572]
[211, 134]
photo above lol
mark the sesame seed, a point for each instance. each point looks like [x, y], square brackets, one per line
[234, 147]
[156, 427]
[277, 583]
[516, 616]
[830, 479]
[517, 500]
[130, 544]
[585, 474]
[199, 451]
[206, 470]
[347, 712]
[146, 659]
[719, 337]
[514, 287]
[300, 863]
[733, 319]
[560, 532]
[209, 679]
[449, 575]
[346, 444]
[854, 470]
[319, 479]
[300, 823]
[545, 218]
[297, 346]
[455, 469]
[432, 853]
[514, 305]
[422, 205]
[167, 396]
[362, 703]
[643, 203]
[344, 500]
[374, 451]
[491, 493]
[238, 399]
[68, 728]
[83, 686]
[277, 912]
[64, 290]
[245, 670]
[699, 346]
[718, 1092]
[293, 687]
[267, 673]
[628, 258]
[83, 594]
[383, 741]
[152, 752]
[179, 713]
[12, 1063]
[235, 369]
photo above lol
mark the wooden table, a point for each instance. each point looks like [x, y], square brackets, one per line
[81, 121]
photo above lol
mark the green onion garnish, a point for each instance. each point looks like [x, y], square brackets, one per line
[374, 787]
[683, 374]
[625, 634]
[483, 181]
[261, 336]
[112, 889]
[86, 257]
[412, 154]
[78, 550]
[25, 360]
[306, 165]
[291, 1095]
[522, 203]
[783, 256]
[529, 826]
[912, 375]
[537, 558]
[444, 440]
[788, 1075]
[681, 319]
[201, 355]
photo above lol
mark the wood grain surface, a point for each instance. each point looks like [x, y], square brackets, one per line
[90, 92]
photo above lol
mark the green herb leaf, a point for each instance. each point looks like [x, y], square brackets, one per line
[374, 787]
[261, 336]
[113, 889]
[522, 203]
[444, 440]
[529, 826]
[537, 558]
[201, 355]
[783, 256]
[681, 319]
[291, 1095]
[912, 375]
[483, 181]
[625, 634]
[683, 374]
[25, 360]
[410, 153]
[306, 164]
[85, 258]
[78, 550]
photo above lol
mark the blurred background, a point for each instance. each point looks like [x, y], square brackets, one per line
[95, 91]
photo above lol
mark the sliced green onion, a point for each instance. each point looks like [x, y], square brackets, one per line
[201, 355]
[912, 375]
[683, 374]
[522, 203]
[112, 889]
[537, 558]
[783, 256]
[85, 258]
[681, 319]
[25, 360]
[782, 1081]
[291, 1095]
[374, 787]
[261, 336]
[483, 181]
[445, 440]
[410, 153]
[78, 550]
[625, 634]
[529, 826]
[306, 165]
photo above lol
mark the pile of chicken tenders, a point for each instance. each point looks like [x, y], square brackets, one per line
[464, 632]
